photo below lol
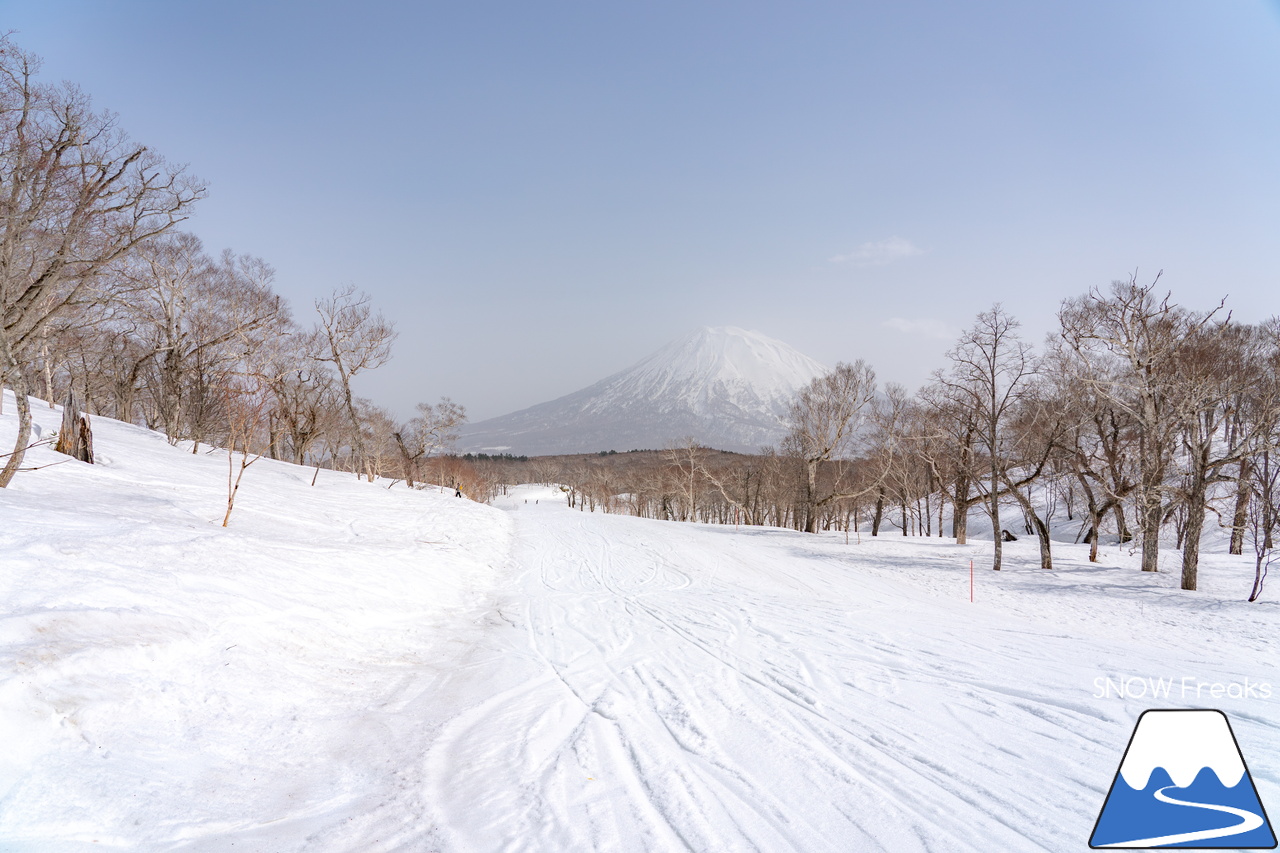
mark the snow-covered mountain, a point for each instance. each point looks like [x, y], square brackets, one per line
[726, 387]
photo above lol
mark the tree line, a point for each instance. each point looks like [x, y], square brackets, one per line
[106, 303]
[1139, 419]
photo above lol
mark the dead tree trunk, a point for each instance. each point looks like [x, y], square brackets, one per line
[410, 461]
[1040, 528]
[1244, 493]
[75, 437]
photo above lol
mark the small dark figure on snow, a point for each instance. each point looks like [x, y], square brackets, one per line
[458, 491]
[1006, 536]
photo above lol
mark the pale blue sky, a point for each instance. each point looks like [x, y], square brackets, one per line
[541, 193]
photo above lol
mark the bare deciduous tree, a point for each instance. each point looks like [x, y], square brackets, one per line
[947, 442]
[433, 429]
[1219, 364]
[1128, 343]
[990, 369]
[246, 406]
[1100, 441]
[1263, 518]
[828, 418]
[75, 195]
[195, 317]
[352, 338]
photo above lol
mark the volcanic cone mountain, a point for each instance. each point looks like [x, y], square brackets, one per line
[727, 388]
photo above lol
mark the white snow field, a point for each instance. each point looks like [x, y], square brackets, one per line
[355, 668]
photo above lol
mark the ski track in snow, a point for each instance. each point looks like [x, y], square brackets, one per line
[348, 668]
[675, 691]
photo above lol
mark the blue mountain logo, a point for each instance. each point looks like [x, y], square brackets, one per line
[1183, 783]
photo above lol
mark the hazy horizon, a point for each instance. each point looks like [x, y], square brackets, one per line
[540, 197]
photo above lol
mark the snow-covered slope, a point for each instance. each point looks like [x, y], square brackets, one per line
[355, 668]
[726, 387]
[167, 683]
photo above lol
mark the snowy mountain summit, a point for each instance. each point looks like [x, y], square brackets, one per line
[726, 387]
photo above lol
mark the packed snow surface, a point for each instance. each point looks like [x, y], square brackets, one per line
[351, 667]
[726, 387]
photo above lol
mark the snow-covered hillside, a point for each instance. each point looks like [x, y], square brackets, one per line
[170, 684]
[726, 387]
[355, 668]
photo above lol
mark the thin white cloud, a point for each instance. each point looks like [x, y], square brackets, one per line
[878, 253]
[922, 326]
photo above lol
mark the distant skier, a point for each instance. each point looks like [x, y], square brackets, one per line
[458, 492]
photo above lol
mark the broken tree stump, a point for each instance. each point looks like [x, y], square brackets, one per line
[75, 436]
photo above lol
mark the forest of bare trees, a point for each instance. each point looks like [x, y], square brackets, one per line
[105, 301]
[1138, 420]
